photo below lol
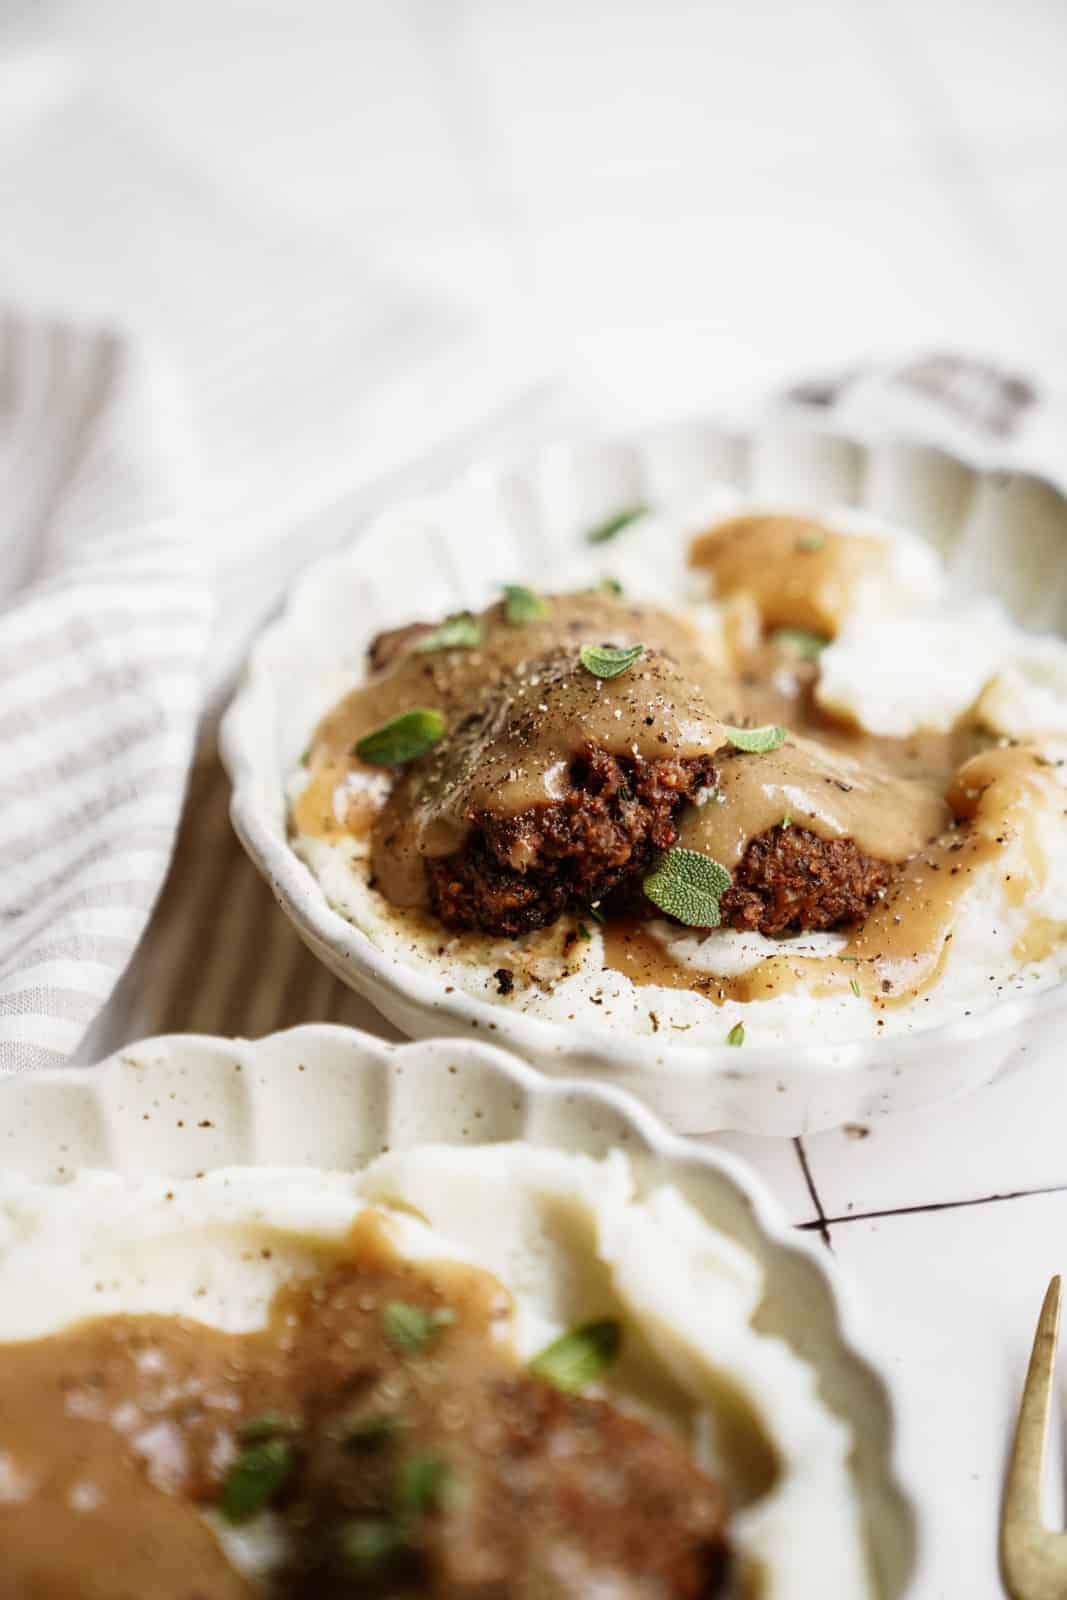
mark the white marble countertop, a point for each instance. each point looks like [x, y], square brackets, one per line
[676, 201]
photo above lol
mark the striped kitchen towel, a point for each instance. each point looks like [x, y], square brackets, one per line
[127, 599]
[103, 624]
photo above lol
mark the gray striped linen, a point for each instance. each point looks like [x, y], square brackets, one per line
[104, 620]
[124, 615]
[127, 907]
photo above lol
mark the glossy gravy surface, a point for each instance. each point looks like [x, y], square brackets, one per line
[536, 661]
[518, 752]
[818, 788]
[801, 574]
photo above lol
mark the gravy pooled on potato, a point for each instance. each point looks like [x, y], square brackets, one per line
[400, 1447]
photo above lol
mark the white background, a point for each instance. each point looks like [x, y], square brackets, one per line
[672, 203]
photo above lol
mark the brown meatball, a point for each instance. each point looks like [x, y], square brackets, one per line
[790, 880]
[618, 815]
[540, 1493]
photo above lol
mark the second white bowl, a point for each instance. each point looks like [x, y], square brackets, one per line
[333, 1098]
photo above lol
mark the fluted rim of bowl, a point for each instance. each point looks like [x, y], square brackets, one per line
[594, 1117]
[355, 958]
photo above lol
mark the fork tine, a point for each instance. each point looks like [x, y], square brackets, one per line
[1025, 1544]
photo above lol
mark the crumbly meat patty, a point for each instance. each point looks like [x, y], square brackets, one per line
[560, 1494]
[518, 873]
[790, 881]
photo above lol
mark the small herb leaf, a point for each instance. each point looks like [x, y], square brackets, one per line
[523, 605]
[368, 1543]
[855, 987]
[402, 738]
[596, 914]
[786, 822]
[371, 1431]
[736, 1034]
[757, 741]
[604, 661]
[421, 1484]
[271, 1425]
[583, 931]
[688, 886]
[799, 642]
[608, 529]
[411, 1328]
[611, 585]
[579, 1357]
[458, 632]
[811, 541]
[254, 1479]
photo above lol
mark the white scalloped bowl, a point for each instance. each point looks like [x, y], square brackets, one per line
[333, 1098]
[999, 533]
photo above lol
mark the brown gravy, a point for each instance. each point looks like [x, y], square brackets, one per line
[515, 753]
[459, 680]
[535, 707]
[997, 798]
[899, 950]
[800, 574]
[820, 789]
[117, 1434]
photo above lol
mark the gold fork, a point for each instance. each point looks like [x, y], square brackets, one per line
[1033, 1559]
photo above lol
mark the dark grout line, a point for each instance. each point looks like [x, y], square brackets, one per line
[823, 1223]
[820, 1217]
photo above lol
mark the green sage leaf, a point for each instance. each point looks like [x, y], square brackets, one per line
[371, 1431]
[579, 1357]
[688, 886]
[604, 661]
[460, 631]
[421, 1484]
[523, 605]
[254, 1479]
[402, 738]
[736, 1034]
[409, 1327]
[757, 741]
[608, 529]
[799, 642]
[367, 1543]
[271, 1425]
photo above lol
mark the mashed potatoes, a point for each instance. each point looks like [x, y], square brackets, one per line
[907, 656]
[564, 1233]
